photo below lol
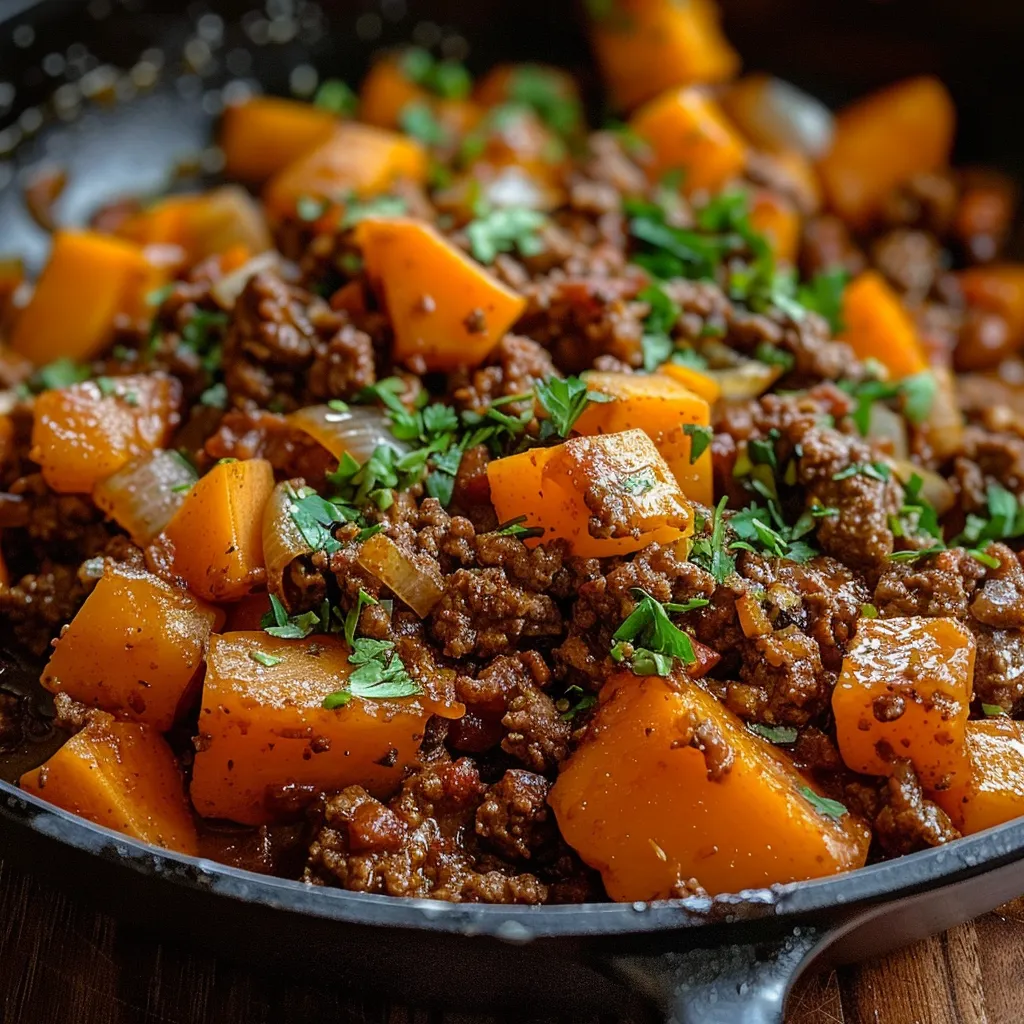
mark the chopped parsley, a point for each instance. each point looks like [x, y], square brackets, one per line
[772, 355]
[657, 344]
[993, 711]
[418, 121]
[337, 97]
[639, 483]
[564, 399]
[822, 804]
[573, 702]
[874, 470]
[315, 518]
[379, 206]
[763, 530]
[916, 392]
[868, 611]
[505, 229]
[277, 622]
[913, 556]
[516, 528]
[823, 294]
[782, 734]
[264, 659]
[649, 640]
[700, 437]
[61, 373]
[543, 90]
[709, 551]
[215, 396]
[445, 78]
[1005, 519]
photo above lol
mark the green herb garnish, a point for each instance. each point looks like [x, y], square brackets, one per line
[653, 640]
[823, 805]
[565, 399]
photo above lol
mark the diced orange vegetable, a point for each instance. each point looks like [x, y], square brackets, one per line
[778, 220]
[135, 647]
[12, 274]
[642, 802]
[644, 47]
[446, 310]
[264, 135]
[877, 326]
[752, 617]
[83, 433]
[89, 280]
[661, 407]
[697, 381]
[522, 83]
[904, 692]
[121, 775]
[687, 132]
[994, 793]
[215, 540]
[998, 289]
[245, 616]
[265, 725]
[203, 225]
[385, 93]
[885, 140]
[356, 158]
[610, 494]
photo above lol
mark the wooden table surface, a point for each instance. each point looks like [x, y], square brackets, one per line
[62, 963]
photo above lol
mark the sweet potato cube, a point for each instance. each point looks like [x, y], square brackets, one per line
[905, 692]
[610, 494]
[386, 91]
[994, 792]
[668, 785]
[883, 141]
[121, 775]
[85, 432]
[877, 326]
[356, 158]
[215, 540]
[263, 724]
[446, 310]
[661, 407]
[688, 132]
[777, 219]
[644, 47]
[265, 134]
[134, 648]
[89, 279]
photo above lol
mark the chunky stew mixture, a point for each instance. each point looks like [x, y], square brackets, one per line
[459, 502]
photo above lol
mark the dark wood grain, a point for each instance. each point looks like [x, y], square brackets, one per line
[62, 963]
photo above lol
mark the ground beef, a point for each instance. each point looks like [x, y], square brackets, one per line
[911, 260]
[342, 365]
[927, 201]
[998, 666]
[827, 246]
[907, 821]
[939, 586]
[515, 365]
[37, 606]
[445, 836]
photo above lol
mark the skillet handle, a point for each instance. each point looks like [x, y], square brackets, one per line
[741, 984]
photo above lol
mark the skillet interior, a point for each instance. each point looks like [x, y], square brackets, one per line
[128, 147]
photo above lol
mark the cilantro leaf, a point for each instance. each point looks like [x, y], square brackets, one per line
[709, 552]
[417, 120]
[264, 659]
[542, 90]
[822, 804]
[655, 640]
[505, 229]
[568, 709]
[337, 97]
[782, 734]
[823, 294]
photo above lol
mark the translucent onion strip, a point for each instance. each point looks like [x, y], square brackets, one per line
[282, 540]
[226, 291]
[414, 582]
[356, 431]
[143, 496]
[774, 114]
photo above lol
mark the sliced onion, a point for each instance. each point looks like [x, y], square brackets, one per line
[282, 540]
[226, 217]
[935, 489]
[748, 379]
[889, 429]
[356, 431]
[944, 427]
[226, 291]
[143, 496]
[777, 115]
[415, 583]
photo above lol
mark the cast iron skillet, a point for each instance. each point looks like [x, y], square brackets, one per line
[730, 960]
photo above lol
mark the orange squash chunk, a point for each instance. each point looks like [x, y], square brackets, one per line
[356, 158]
[265, 134]
[994, 792]
[640, 802]
[134, 647]
[998, 289]
[215, 540]
[446, 310]
[661, 407]
[644, 47]
[85, 432]
[521, 83]
[121, 775]
[905, 692]
[877, 326]
[247, 615]
[777, 219]
[697, 381]
[386, 91]
[616, 485]
[265, 725]
[687, 132]
[883, 141]
[89, 279]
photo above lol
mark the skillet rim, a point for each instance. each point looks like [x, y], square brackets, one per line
[838, 895]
